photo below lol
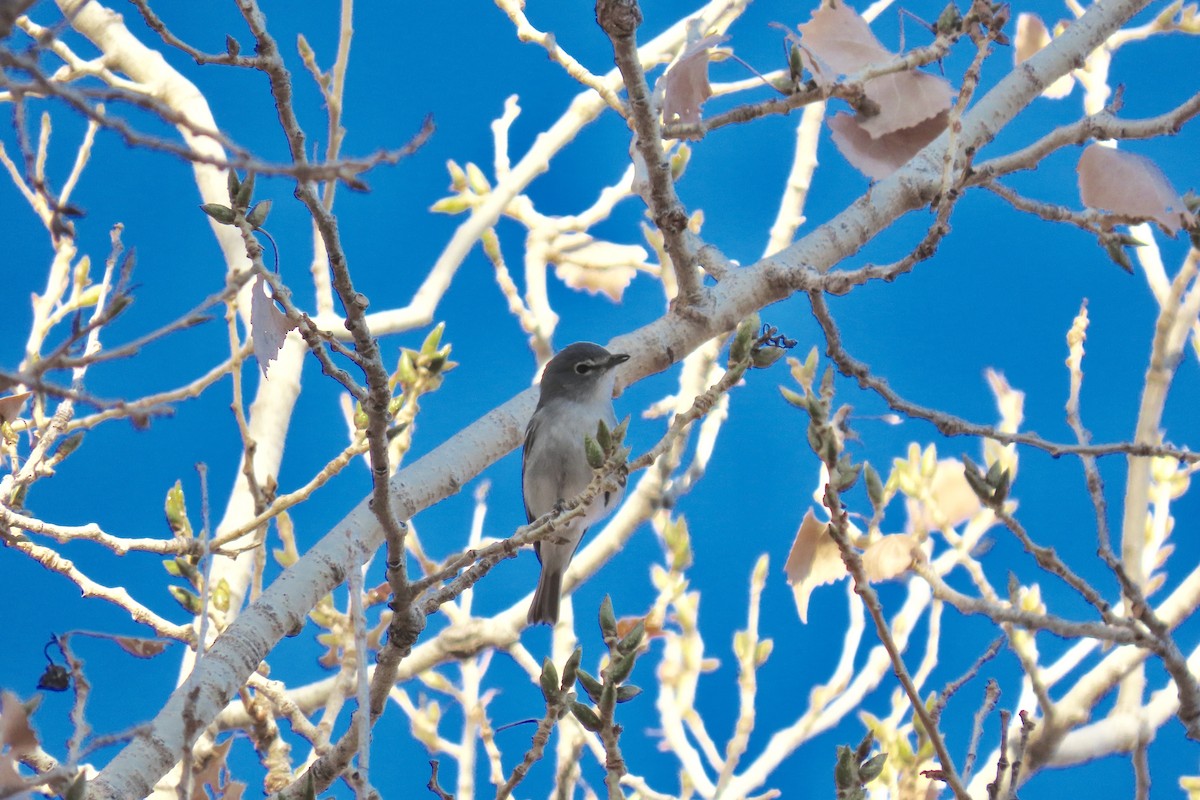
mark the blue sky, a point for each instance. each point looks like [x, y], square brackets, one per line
[1001, 293]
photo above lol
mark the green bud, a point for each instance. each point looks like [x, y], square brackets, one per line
[246, 192]
[258, 214]
[845, 774]
[618, 433]
[549, 681]
[949, 20]
[458, 178]
[219, 213]
[587, 718]
[1119, 256]
[871, 769]
[220, 595]
[603, 436]
[433, 340]
[476, 180]
[1002, 487]
[679, 161]
[792, 397]
[763, 651]
[620, 668]
[176, 512]
[874, 487]
[763, 357]
[977, 482]
[632, 640]
[743, 339]
[455, 204]
[627, 692]
[231, 183]
[189, 601]
[590, 685]
[608, 620]
[608, 700]
[595, 455]
[68, 446]
[864, 747]
[571, 669]
[406, 370]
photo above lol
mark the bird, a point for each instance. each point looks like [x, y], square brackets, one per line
[576, 394]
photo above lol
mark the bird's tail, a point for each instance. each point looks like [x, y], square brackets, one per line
[544, 607]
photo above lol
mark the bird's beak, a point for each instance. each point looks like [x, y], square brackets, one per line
[617, 358]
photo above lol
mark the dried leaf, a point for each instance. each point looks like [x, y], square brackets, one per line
[889, 556]
[842, 39]
[268, 325]
[879, 157]
[685, 85]
[142, 648]
[814, 561]
[581, 262]
[1132, 185]
[905, 99]
[838, 40]
[10, 407]
[1032, 36]
[15, 731]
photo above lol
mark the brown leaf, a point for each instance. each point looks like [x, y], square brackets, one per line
[15, 731]
[268, 325]
[814, 561]
[1032, 36]
[879, 157]
[10, 407]
[582, 262]
[905, 99]
[889, 556]
[142, 648]
[208, 772]
[1131, 185]
[685, 85]
[841, 41]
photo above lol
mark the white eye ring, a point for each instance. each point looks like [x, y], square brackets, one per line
[584, 367]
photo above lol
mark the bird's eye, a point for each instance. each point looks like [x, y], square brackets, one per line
[583, 368]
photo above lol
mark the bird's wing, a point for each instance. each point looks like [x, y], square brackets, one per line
[530, 431]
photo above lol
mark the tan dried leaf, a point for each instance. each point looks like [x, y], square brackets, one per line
[685, 85]
[1132, 185]
[879, 157]
[15, 731]
[813, 561]
[889, 556]
[142, 648]
[268, 325]
[838, 40]
[582, 262]
[1031, 37]
[10, 407]
[905, 99]
[842, 39]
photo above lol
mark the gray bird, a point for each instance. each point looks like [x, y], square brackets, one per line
[577, 390]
